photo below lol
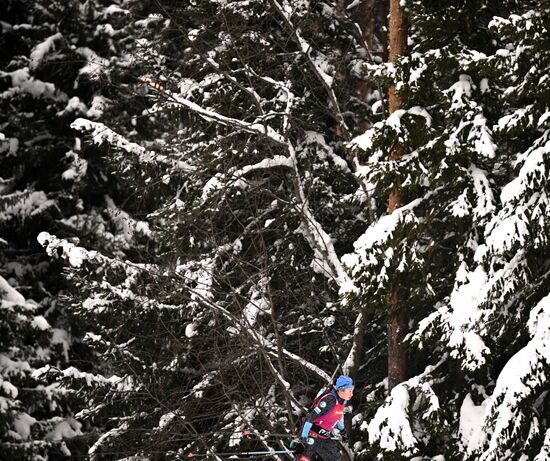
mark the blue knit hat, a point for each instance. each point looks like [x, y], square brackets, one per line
[344, 382]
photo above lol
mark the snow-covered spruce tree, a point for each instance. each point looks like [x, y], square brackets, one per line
[58, 60]
[35, 418]
[508, 277]
[469, 247]
[236, 316]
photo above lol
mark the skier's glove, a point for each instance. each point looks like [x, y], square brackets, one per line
[308, 440]
[297, 446]
[305, 434]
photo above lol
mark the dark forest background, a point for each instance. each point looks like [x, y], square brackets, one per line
[208, 207]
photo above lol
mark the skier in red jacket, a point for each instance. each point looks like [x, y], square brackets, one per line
[327, 413]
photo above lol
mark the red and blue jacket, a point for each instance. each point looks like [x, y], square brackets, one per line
[325, 415]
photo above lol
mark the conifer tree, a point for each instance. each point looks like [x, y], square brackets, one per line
[463, 247]
[236, 315]
[253, 201]
[58, 60]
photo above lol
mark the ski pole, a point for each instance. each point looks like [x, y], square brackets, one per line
[254, 434]
[243, 453]
[248, 453]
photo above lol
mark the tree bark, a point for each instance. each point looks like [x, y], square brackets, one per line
[397, 327]
[398, 46]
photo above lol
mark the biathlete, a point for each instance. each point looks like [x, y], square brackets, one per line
[326, 414]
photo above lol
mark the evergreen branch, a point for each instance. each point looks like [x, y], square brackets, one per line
[325, 80]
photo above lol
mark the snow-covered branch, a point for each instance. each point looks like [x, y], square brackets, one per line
[284, 9]
[213, 116]
[102, 134]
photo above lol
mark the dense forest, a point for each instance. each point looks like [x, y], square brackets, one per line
[210, 208]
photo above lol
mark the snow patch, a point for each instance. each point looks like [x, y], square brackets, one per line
[471, 421]
[9, 295]
[73, 254]
[40, 323]
[66, 429]
[22, 424]
[22, 82]
[390, 426]
[40, 50]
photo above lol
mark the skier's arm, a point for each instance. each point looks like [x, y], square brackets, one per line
[340, 425]
[306, 429]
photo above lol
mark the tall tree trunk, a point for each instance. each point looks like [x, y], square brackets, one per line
[397, 328]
